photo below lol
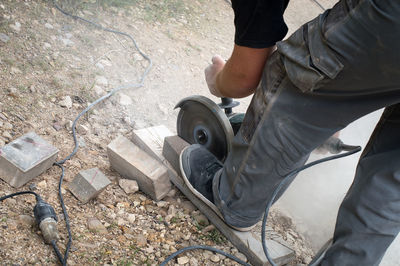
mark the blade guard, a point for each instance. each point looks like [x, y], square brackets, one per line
[218, 113]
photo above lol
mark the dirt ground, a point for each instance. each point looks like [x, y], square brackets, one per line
[47, 58]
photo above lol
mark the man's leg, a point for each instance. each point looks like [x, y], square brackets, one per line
[369, 217]
[329, 73]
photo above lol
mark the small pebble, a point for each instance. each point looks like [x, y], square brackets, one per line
[183, 260]
[4, 38]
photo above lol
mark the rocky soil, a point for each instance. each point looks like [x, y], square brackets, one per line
[52, 67]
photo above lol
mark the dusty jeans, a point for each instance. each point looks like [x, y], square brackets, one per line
[335, 69]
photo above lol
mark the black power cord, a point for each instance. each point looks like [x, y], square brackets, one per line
[20, 193]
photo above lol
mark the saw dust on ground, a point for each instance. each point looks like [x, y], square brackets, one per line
[52, 67]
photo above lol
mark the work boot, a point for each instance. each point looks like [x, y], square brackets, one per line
[198, 169]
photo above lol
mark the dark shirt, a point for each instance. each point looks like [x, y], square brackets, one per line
[259, 23]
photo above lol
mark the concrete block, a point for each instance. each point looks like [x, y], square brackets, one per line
[25, 158]
[173, 147]
[151, 139]
[88, 184]
[133, 163]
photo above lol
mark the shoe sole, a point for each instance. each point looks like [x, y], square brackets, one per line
[205, 200]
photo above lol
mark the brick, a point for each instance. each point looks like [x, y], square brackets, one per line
[25, 158]
[173, 146]
[133, 163]
[150, 139]
[88, 184]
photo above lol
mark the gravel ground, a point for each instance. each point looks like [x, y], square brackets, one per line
[52, 67]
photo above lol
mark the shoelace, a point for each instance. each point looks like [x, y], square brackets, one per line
[213, 168]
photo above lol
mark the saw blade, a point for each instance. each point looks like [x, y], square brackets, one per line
[202, 121]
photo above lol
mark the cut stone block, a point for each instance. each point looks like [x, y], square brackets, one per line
[88, 184]
[25, 158]
[151, 135]
[133, 163]
[173, 146]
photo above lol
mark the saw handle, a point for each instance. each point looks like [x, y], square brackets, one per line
[227, 104]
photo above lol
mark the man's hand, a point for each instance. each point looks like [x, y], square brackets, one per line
[211, 73]
[240, 75]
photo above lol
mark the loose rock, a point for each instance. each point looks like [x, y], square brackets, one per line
[4, 38]
[7, 126]
[188, 206]
[48, 26]
[12, 90]
[124, 99]
[137, 57]
[82, 130]
[67, 42]
[193, 261]
[201, 219]
[95, 225]
[81, 142]
[66, 102]
[16, 26]
[208, 229]
[141, 240]
[98, 90]
[240, 256]
[26, 221]
[131, 218]
[47, 45]
[214, 258]
[183, 260]
[129, 186]
[100, 80]
[7, 135]
[121, 222]
[99, 66]
[42, 184]
[15, 70]
[57, 126]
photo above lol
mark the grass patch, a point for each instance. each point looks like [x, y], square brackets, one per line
[124, 262]
[213, 235]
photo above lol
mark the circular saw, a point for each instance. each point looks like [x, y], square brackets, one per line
[201, 121]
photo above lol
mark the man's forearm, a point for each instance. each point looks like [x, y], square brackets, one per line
[242, 72]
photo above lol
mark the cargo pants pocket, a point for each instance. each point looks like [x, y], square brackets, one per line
[309, 62]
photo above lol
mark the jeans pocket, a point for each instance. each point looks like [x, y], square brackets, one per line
[308, 60]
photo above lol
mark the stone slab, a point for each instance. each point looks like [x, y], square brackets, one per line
[248, 243]
[133, 163]
[173, 145]
[88, 184]
[25, 158]
[153, 136]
